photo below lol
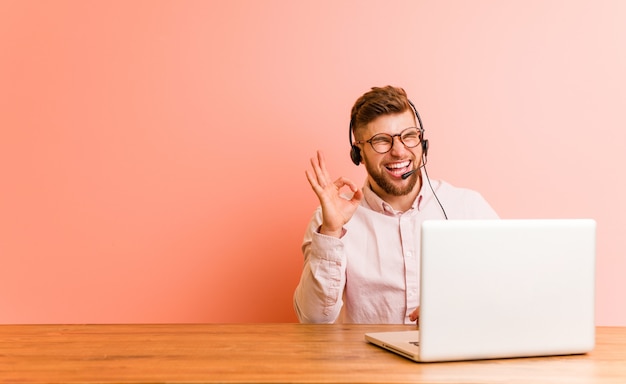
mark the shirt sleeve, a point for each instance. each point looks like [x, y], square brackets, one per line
[318, 296]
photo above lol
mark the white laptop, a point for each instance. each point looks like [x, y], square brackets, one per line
[502, 288]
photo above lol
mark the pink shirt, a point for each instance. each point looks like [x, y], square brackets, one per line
[371, 274]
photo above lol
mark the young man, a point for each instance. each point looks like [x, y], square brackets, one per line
[361, 252]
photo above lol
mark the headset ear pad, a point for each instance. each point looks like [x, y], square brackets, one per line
[425, 147]
[355, 154]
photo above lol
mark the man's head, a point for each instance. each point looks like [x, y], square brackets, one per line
[388, 140]
[377, 102]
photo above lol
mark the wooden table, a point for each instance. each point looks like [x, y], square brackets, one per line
[185, 353]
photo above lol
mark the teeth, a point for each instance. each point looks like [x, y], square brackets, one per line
[399, 165]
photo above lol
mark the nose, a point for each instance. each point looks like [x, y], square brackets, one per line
[399, 148]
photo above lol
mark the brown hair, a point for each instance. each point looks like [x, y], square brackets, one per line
[377, 102]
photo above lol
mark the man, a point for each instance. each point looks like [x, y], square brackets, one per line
[361, 252]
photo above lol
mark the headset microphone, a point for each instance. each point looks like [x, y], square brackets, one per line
[424, 160]
[409, 173]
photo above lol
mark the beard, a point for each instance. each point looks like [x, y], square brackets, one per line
[387, 184]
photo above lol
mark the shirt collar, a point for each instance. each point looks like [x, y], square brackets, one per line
[377, 204]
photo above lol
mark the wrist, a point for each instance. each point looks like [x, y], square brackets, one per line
[338, 233]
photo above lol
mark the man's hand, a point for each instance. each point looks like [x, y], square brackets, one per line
[415, 315]
[336, 210]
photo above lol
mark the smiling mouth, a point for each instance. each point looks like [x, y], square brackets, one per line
[398, 169]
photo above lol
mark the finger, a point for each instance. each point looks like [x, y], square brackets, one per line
[312, 180]
[357, 197]
[316, 179]
[322, 162]
[319, 175]
[342, 181]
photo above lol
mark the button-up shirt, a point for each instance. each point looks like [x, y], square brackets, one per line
[371, 273]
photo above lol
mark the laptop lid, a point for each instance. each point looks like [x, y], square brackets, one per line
[504, 288]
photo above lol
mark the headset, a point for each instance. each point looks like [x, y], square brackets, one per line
[355, 153]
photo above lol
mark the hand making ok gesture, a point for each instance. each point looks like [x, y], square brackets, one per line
[336, 210]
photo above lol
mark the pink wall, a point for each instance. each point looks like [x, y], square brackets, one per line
[152, 153]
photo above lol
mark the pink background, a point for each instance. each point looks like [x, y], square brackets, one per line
[152, 153]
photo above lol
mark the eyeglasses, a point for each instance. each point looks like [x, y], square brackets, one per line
[383, 142]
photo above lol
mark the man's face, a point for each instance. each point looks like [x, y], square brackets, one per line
[386, 169]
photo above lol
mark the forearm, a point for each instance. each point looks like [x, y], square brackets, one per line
[318, 296]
